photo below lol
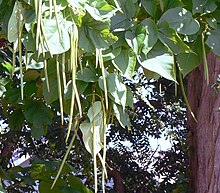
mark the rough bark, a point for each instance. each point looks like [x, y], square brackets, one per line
[204, 136]
[118, 182]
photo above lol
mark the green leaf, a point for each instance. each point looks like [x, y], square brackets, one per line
[175, 3]
[95, 111]
[95, 34]
[188, 61]
[31, 75]
[110, 53]
[159, 60]
[169, 37]
[213, 41]
[203, 6]
[150, 6]
[60, 5]
[29, 42]
[116, 88]
[77, 185]
[121, 116]
[129, 8]
[151, 35]
[93, 130]
[150, 75]
[38, 115]
[99, 9]
[142, 37]
[13, 95]
[57, 43]
[13, 32]
[81, 87]
[8, 66]
[31, 89]
[35, 62]
[6, 9]
[77, 3]
[125, 62]
[120, 22]
[16, 119]
[87, 75]
[44, 186]
[52, 95]
[181, 21]
[212, 22]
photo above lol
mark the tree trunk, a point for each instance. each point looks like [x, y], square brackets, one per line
[118, 182]
[204, 136]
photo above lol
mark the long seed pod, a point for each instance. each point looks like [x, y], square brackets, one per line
[45, 64]
[64, 70]
[206, 69]
[59, 88]
[38, 11]
[56, 17]
[20, 29]
[100, 60]
[15, 46]
[45, 38]
[185, 97]
[104, 125]
[73, 64]
[95, 171]
[75, 128]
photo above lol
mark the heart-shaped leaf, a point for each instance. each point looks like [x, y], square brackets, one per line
[181, 20]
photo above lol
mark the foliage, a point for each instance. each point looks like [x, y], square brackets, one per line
[71, 57]
[142, 167]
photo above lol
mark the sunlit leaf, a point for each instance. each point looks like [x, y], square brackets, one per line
[13, 30]
[181, 20]
[151, 36]
[159, 60]
[57, 44]
[125, 62]
[93, 130]
[77, 3]
[95, 35]
[188, 61]
[169, 37]
[117, 89]
[136, 38]
[120, 22]
[100, 9]
[203, 6]
[111, 53]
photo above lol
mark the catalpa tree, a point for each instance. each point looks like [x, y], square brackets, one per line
[71, 57]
